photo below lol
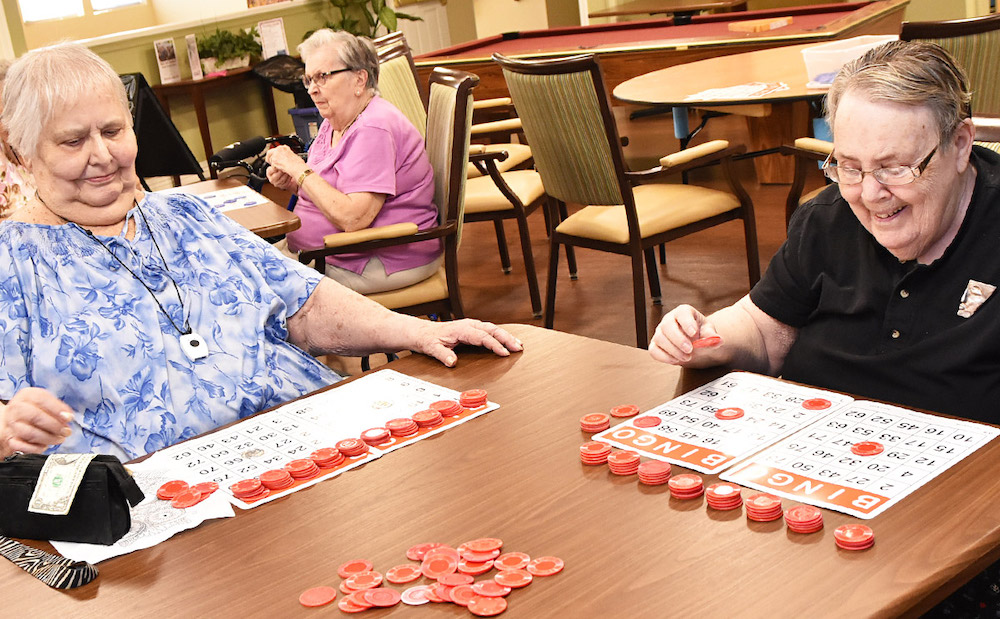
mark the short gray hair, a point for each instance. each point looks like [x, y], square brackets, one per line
[357, 53]
[48, 78]
[914, 73]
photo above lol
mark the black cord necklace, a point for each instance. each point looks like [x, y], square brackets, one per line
[192, 344]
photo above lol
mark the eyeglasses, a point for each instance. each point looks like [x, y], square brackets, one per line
[892, 175]
[320, 78]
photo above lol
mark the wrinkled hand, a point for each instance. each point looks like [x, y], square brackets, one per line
[280, 180]
[33, 420]
[285, 160]
[438, 339]
[679, 333]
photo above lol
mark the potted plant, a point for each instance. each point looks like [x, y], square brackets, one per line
[224, 49]
[364, 17]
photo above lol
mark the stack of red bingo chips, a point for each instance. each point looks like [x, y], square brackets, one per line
[170, 489]
[404, 426]
[594, 452]
[804, 519]
[763, 507]
[625, 410]
[724, 496]
[686, 486]
[181, 495]
[327, 457]
[447, 408]
[278, 479]
[376, 436]
[428, 418]
[249, 490]
[352, 447]
[595, 422]
[473, 398]
[654, 473]
[854, 537]
[624, 462]
[303, 468]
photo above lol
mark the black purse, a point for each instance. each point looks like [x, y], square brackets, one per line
[99, 514]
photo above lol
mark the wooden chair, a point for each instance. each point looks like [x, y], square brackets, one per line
[975, 44]
[494, 191]
[449, 118]
[578, 151]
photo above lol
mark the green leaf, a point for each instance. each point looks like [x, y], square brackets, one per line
[388, 17]
[372, 21]
[377, 6]
[408, 17]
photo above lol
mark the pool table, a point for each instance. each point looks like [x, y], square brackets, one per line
[633, 48]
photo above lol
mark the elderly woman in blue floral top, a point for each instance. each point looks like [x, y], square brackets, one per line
[130, 321]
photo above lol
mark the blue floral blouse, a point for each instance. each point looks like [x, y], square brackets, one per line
[75, 322]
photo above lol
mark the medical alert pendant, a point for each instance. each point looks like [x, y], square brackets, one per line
[975, 295]
[194, 346]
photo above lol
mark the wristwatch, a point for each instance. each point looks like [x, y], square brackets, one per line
[302, 177]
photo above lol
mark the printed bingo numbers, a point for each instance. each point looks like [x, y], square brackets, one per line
[710, 428]
[861, 459]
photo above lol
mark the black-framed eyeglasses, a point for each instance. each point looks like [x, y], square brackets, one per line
[892, 175]
[320, 78]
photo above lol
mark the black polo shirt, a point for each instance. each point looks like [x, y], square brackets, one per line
[876, 327]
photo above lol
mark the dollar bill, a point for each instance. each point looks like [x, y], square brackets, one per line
[57, 483]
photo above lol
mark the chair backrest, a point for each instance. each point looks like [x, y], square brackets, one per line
[975, 44]
[398, 83]
[449, 125]
[568, 122]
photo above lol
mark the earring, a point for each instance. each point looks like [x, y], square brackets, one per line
[357, 93]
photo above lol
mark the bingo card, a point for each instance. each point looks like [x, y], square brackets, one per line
[270, 440]
[712, 427]
[861, 459]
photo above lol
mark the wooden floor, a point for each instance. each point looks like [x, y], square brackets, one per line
[707, 270]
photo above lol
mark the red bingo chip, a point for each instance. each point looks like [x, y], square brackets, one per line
[867, 448]
[646, 421]
[303, 468]
[354, 603]
[454, 580]
[515, 579]
[472, 568]
[706, 342]
[317, 596]
[594, 452]
[477, 557]
[763, 507]
[401, 574]
[485, 544]
[428, 418]
[595, 422]
[804, 519]
[364, 580]
[512, 561]
[623, 462]
[654, 473]
[448, 408]
[206, 487]
[376, 436]
[625, 410]
[686, 486]
[382, 597]
[473, 398]
[404, 426]
[346, 570]
[443, 592]
[436, 565]
[816, 404]
[481, 606]
[729, 413]
[418, 552]
[249, 490]
[352, 447]
[545, 566]
[171, 489]
[415, 596]
[327, 457]
[854, 537]
[490, 589]
[462, 594]
[188, 498]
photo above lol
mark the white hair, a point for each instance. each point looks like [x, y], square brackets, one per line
[357, 53]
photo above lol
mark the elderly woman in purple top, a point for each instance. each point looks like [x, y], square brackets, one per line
[367, 167]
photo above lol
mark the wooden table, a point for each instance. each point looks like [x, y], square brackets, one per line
[195, 90]
[630, 49]
[775, 119]
[266, 220]
[630, 551]
[677, 8]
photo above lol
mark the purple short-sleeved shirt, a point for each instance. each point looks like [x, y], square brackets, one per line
[381, 152]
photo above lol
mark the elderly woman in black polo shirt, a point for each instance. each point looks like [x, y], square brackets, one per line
[884, 286]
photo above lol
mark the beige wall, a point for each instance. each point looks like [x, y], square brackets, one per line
[497, 16]
[38, 34]
[169, 11]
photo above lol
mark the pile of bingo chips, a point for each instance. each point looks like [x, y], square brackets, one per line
[183, 495]
[722, 496]
[449, 576]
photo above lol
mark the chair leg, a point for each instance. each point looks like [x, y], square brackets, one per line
[570, 252]
[753, 254]
[663, 253]
[639, 294]
[502, 246]
[550, 290]
[653, 274]
[529, 264]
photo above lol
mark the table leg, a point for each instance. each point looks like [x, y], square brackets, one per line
[198, 101]
[272, 116]
[785, 123]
